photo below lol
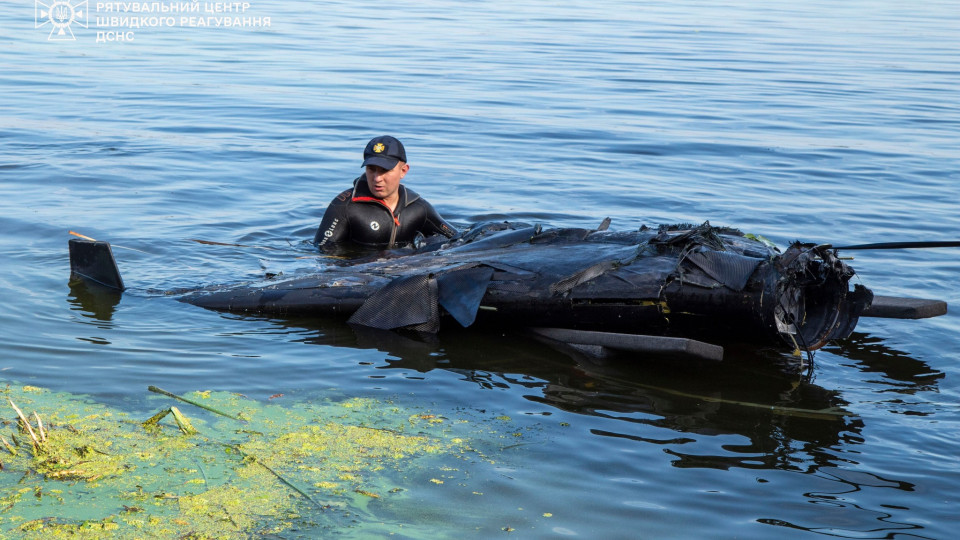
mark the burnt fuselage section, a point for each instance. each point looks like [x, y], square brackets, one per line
[680, 280]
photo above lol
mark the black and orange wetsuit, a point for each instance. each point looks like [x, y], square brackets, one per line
[357, 216]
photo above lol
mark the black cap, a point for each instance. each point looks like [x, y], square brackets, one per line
[384, 151]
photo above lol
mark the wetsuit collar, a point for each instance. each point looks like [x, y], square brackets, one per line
[361, 192]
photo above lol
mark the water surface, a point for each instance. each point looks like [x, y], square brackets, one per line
[812, 121]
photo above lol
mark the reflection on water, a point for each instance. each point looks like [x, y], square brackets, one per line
[94, 301]
[906, 374]
[777, 410]
[753, 411]
[836, 497]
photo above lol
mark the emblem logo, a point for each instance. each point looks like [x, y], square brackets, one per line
[60, 14]
[379, 147]
[374, 225]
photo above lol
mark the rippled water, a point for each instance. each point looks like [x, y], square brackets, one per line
[817, 121]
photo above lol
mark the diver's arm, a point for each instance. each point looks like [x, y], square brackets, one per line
[434, 224]
[333, 228]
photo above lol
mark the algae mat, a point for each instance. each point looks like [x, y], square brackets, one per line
[288, 470]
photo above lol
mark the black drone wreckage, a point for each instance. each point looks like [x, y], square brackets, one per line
[650, 290]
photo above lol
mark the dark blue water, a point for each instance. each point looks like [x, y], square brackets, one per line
[817, 121]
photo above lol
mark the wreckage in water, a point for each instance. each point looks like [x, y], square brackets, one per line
[646, 290]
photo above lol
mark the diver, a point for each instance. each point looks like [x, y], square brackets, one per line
[379, 212]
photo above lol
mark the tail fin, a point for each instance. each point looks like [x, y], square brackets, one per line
[93, 261]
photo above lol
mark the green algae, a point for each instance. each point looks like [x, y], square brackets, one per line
[302, 466]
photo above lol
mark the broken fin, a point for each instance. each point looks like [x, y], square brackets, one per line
[597, 343]
[93, 261]
[460, 292]
[411, 301]
[731, 269]
[892, 307]
[582, 276]
[406, 302]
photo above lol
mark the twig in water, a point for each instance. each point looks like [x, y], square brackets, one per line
[203, 474]
[183, 422]
[26, 424]
[156, 390]
[155, 419]
[12, 449]
[285, 482]
[85, 237]
[43, 433]
[212, 243]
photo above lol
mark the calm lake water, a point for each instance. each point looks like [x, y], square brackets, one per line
[820, 121]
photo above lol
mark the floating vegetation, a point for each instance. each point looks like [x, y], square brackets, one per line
[81, 469]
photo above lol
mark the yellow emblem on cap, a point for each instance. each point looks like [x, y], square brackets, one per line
[379, 147]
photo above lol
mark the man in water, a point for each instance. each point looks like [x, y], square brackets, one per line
[378, 211]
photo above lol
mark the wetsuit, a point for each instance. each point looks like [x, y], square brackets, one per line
[357, 216]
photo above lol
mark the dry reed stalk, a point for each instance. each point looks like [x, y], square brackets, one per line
[43, 432]
[12, 449]
[183, 422]
[161, 391]
[23, 419]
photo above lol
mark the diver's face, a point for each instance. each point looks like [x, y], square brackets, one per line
[384, 183]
